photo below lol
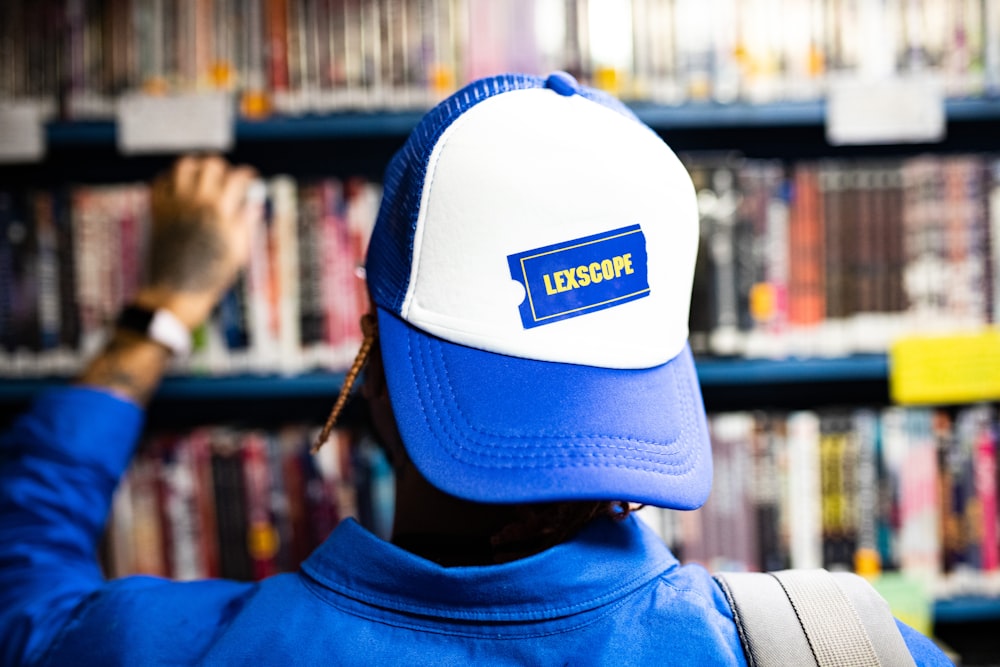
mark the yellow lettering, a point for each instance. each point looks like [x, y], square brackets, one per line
[565, 280]
[595, 273]
[570, 279]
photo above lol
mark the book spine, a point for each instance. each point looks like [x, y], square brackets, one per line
[986, 490]
[69, 321]
[332, 243]
[769, 475]
[807, 306]
[720, 219]
[866, 433]
[279, 501]
[310, 266]
[918, 533]
[262, 535]
[276, 21]
[892, 457]
[199, 443]
[994, 236]
[832, 181]
[832, 492]
[285, 304]
[296, 56]
[6, 271]
[805, 520]
[21, 234]
[230, 501]
[49, 324]
[294, 481]
[728, 517]
[952, 500]
[179, 509]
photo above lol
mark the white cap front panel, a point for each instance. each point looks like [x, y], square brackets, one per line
[553, 228]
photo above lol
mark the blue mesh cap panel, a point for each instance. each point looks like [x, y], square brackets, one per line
[390, 252]
[391, 249]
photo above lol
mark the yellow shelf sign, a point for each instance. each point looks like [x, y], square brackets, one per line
[960, 368]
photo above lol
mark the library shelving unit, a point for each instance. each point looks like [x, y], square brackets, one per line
[361, 142]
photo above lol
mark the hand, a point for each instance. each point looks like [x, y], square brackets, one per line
[201, 235]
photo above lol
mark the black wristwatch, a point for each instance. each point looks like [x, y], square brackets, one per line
[159, 325]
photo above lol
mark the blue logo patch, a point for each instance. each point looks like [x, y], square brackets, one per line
[581, 276]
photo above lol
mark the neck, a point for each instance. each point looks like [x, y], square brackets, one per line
[443, 528]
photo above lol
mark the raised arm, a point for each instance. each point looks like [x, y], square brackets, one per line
[60, 462]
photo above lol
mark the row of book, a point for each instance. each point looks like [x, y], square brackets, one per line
[241, 503]
[812, 259]
[294, 56]
[838, 257]
[71, 258]
[910, 490]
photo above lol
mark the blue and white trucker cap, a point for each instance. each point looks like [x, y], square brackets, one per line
[531, 266]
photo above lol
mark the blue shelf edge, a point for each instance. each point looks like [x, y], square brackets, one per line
[398, 123]
[276, 387]
[711, 373]
[966, 609]
[729, 372]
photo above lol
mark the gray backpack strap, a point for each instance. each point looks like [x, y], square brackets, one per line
[810, 617]
[769, 630]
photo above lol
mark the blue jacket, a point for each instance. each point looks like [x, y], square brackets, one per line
[613, 596]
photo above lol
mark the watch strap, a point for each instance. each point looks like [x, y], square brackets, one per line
[159, 325]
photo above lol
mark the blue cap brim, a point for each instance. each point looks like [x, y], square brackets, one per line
[498, 429]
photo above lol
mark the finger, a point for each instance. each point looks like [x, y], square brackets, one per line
[234, 190]
[210, 178]
[183, 176]
[159, 191]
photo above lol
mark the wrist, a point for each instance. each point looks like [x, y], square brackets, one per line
[159, 325]
[191, 309]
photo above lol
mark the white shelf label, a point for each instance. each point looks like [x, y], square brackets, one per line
[885, 111]
[175, 123]
[22, 133]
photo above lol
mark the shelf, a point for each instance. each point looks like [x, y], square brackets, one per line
[711, 372]
[694, 116]
[264, 387]
[745, 372]
[966, 609]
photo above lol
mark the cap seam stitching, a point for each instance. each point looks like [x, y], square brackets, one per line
[463, 453]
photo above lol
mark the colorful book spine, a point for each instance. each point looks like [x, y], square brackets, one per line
[805, 521]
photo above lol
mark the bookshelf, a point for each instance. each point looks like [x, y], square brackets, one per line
[361, 141]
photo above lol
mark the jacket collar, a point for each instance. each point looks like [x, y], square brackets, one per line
[605, 562]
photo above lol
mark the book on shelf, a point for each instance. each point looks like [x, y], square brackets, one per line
[813, 259]
[314, 56]
[221, 501]
[76, 257]
[841, 257]
[903, 490]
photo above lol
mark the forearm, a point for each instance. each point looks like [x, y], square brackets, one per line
[130, 366]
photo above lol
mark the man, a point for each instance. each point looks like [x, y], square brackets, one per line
[530, 273]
